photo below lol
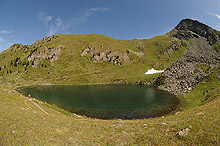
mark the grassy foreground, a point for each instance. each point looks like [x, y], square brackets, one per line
[22, 123]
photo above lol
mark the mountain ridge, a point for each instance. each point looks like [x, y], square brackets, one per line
[93, 58]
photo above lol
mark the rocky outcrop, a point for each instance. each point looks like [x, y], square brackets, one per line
[48, 53]
[182, 76]
[88, 51]
[115, 57]
[47, 39]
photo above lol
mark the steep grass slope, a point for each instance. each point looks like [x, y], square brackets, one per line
[83, 59]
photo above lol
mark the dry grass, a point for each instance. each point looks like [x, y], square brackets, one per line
[22, 125]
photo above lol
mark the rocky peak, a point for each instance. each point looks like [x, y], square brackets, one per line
[192, 25]
[188, 28]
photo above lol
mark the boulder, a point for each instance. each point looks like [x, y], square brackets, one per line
[85, 52]
[96, 58]
[183, 132]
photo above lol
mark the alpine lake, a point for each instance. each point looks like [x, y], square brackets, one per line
[105, 101]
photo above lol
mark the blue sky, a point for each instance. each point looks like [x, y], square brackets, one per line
[25, 21]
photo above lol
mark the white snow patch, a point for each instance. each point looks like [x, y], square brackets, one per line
[153, 71]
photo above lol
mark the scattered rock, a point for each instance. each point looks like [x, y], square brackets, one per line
[23, 108]
[200, 113]
[78, 116]
[118, 81]
[163, 123]
[206, 92]
[183, 132]
[182, 76]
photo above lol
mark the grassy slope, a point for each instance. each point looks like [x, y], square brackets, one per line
[71, 68]
[201, 93]
[22, 125]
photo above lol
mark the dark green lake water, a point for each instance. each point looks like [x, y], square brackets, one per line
[106, 101]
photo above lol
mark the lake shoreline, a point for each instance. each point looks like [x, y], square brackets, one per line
[164, 112]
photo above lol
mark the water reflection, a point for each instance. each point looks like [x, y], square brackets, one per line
[106, 101]
[150, 95]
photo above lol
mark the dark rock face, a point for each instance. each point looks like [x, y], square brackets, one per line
[188, 28]
[180, 77]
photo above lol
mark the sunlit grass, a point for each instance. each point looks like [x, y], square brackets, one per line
[21, 125]
[72, 68]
